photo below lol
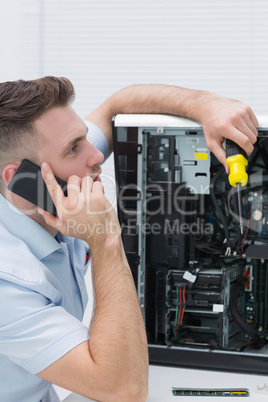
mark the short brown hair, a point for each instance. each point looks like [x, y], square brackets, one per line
[21, 103]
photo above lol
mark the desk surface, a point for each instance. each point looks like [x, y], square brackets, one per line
[162, 379]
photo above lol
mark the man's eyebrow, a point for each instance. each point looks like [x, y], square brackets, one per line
[72, 143]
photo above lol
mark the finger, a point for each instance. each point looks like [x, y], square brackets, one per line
[98, 187]
[74, 185]
[74, 189]
[252, 122]
[247, 138]
[253, 118]
[247, 128]
[240, 139]
[50, 219]
[86, 186]
[53, 187]
[220, 153]
[253, 130]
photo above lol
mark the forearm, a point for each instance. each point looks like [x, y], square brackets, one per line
[113, 365]
[147, 99]
[157, 98]
[117, 333]
[220, 117]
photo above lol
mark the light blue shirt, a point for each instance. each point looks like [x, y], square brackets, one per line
[42, 298]
[97, 138]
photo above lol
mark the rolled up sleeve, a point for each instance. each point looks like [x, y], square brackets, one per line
[34, 331]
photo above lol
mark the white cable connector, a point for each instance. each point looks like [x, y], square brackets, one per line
[189, 277]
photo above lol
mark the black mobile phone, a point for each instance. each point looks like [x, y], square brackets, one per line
[29, 184]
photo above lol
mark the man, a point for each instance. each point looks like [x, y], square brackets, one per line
[43, 257]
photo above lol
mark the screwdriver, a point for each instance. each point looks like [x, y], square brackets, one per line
[236, 159]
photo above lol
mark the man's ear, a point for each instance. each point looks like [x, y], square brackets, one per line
[9, 171]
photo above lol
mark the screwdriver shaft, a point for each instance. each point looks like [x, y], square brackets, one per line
[239, 202]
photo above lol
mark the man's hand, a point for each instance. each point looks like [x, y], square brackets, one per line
[226, 118]
[85, 213]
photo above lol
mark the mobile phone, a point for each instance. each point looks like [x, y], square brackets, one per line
[29, 184]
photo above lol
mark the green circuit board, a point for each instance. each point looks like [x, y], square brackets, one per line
[229, 392]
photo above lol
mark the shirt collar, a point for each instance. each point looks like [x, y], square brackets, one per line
[39, 241]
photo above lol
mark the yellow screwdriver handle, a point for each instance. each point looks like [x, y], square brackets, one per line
[238, 174]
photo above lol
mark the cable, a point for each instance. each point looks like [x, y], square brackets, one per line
[248, 224]
[180, 307]
[176, 315]
[184, 305]
[243, 241]
[254, 335]
[216, 205]
[179, 317]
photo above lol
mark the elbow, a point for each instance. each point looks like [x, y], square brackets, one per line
[140, 394]
[142, 397]
[133, 389]
[128, 383]
[136, 388]
[126, 392]
[133, 394]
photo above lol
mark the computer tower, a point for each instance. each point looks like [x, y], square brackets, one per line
[202, 285]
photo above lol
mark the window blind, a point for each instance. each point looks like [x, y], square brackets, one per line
[104, 45]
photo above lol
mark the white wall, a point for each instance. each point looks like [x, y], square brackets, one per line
[103, 45]
[220, 45]
[10, 30]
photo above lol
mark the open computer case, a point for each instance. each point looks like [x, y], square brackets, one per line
[202, 285]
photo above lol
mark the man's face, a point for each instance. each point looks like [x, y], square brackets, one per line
[65, 146]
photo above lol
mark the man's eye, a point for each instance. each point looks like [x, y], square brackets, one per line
[73, 150]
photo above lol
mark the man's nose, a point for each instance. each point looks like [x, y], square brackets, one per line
[96, 157]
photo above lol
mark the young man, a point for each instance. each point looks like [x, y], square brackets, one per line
[43, 258]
